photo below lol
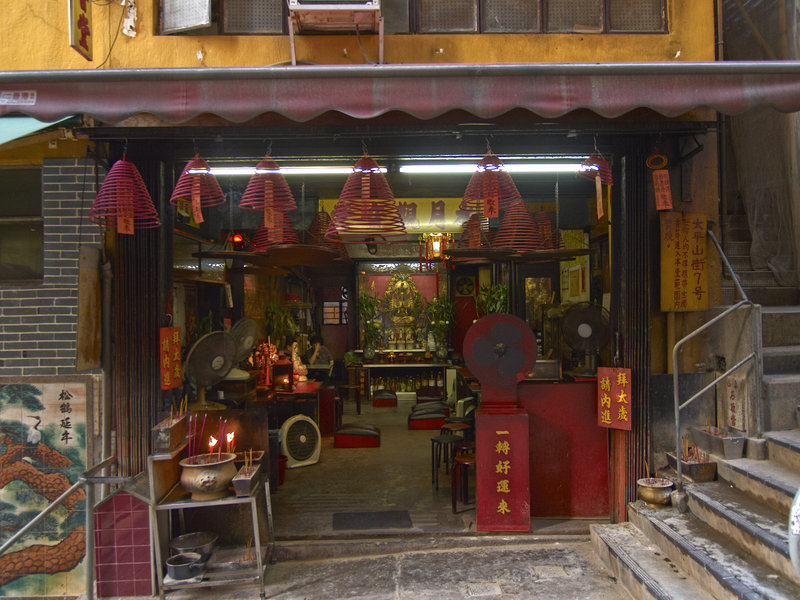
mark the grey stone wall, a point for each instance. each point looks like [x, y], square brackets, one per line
[39, 322]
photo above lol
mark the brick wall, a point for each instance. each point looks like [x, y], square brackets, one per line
[39, 323]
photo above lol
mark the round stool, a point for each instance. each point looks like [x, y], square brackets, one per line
[441, 451]
[452, 428]
[459, 478]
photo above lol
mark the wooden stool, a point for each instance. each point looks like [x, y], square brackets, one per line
[454, 428]
[459, 478]
[357, 389]
[441, 451]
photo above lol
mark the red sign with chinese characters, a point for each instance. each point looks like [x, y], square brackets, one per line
[80, 27]
[614, 398]
[662, 189]
[503, 473]
[170, 357]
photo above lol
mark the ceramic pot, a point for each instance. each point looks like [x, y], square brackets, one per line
[655, 491]
[207, 476]
[184, 566]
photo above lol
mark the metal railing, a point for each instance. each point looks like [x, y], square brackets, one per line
[88, 480]
[755, 356]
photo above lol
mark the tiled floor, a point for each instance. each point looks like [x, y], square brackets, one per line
[394, 476]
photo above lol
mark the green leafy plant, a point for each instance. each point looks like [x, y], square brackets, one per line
[369, 310]
[279, 324]
[493, 299]
[439, 313]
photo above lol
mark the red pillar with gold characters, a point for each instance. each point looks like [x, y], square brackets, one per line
[499, 350]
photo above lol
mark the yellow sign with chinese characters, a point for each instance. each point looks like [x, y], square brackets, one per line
[80, 27]
[684, 264]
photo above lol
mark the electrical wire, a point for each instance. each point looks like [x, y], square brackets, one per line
[116, 35]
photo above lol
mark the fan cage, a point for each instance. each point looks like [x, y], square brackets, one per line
[299, 449]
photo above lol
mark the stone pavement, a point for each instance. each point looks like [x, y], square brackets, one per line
[542, 567]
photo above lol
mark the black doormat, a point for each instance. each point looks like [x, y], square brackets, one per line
[383, 519]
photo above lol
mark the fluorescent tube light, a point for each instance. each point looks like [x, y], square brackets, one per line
[510, 168]
[321, 170]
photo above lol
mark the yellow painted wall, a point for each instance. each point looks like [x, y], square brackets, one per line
[35, 37]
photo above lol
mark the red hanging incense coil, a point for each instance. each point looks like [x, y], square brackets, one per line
[596, 165]
[280, 233]
[197, 187]
[474, 232]
[267, 190]
[490, 189]
[123, 200]
[517, 230]
[316, 235]
[366, 208]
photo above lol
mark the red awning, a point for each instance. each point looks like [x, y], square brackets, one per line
[424, 91]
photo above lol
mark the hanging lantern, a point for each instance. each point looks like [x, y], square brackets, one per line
[123, 202]
[267, 192]
[366, 208]
[490, 189]
[196, 188]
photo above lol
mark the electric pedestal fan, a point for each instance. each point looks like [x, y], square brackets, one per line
[208, 362]
[245, 333]
[300, 441]
[586, 330]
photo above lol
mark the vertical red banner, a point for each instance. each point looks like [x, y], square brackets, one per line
[503, 471]
[614, 399]
[663, 191]
[170, 357]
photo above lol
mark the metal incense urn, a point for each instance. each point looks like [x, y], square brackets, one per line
[208, 476]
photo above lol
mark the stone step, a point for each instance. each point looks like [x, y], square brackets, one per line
[767, 481]
[740, 264]
[749, 524]
[783, 447]
[640, 566]
[737, 248]
[765, 296]
[721, 567]
[781, 359]
[780, 325]
[749, 278]
[779, 397]
[737, 221]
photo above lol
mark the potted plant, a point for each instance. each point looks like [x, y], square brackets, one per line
[493, 299]
[439, 312]
[279, 324]
[369, 311]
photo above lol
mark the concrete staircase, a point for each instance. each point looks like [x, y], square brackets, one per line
[732, 541]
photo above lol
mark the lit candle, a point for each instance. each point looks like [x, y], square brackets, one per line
[212, 441]
[229, 439]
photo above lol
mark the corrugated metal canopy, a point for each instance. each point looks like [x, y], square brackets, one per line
[424, 91]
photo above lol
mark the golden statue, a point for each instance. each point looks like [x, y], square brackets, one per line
[399, 299]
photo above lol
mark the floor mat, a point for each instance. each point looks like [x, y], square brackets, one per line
[383, 519]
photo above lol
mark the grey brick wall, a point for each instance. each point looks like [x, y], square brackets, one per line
[39, 323]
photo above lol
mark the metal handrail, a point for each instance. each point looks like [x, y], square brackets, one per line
[87, 479]
[755, 355]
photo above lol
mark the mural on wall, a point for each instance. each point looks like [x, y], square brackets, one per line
[43, 449]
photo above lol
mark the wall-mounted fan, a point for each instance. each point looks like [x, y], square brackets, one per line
[300, 441]
[586, 330]
[245, 333]
[208, 362]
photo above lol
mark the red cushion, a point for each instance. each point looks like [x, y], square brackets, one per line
[426, 421]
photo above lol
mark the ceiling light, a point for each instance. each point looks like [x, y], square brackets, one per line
[311, 170]
[510, 168]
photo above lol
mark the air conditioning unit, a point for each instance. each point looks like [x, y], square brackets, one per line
[335, 15]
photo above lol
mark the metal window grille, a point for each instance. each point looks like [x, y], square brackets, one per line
[574, 16]
[448, 16]
[253, 16]
[636, 15]
[509, 16]
[184, 15]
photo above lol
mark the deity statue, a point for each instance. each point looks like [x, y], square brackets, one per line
[399, 298]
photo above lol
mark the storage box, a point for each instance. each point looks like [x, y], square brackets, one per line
[168, 434]
[548, 370]
[696, 471]
[246, 479]
[717, 442]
